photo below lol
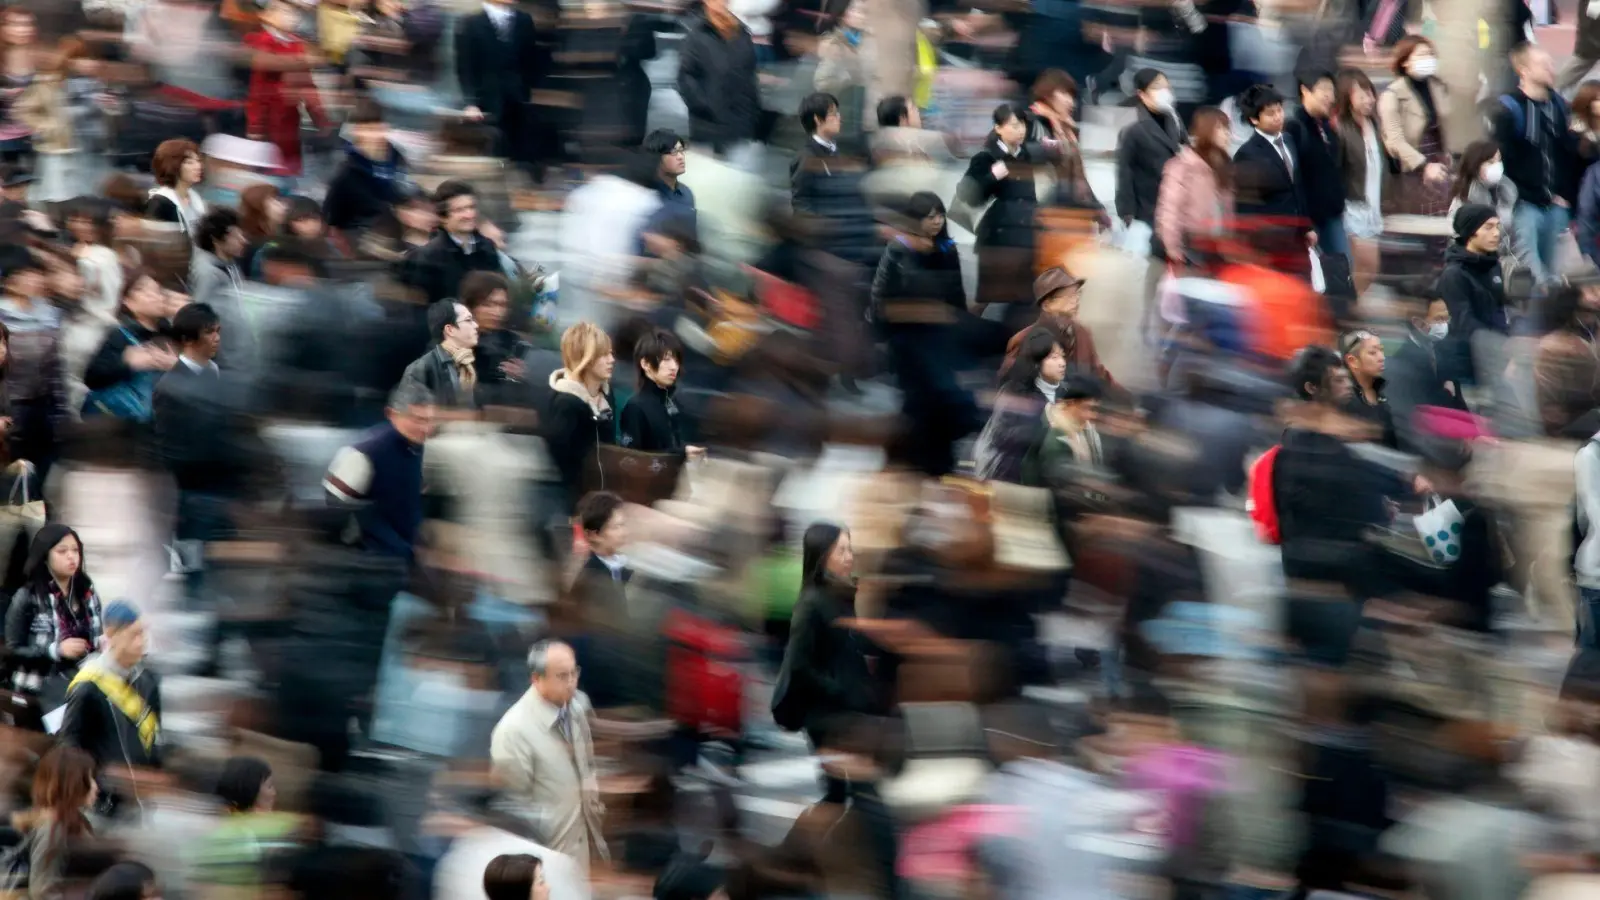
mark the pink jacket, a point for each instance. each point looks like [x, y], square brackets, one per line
[1190, 202]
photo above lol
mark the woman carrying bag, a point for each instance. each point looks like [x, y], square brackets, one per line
[122, 376]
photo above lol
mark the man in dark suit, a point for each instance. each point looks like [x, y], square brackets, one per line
[1270, 180]
[499, 62]
[1317, 144]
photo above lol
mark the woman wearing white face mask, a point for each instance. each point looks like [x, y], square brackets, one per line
[1481, 178]
[1411, 111]
[1143, 150]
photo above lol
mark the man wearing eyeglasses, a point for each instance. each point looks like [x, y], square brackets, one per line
[543, 755]
[448, 370]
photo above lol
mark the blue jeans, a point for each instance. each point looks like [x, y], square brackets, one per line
[1588, 615]
[1331, 237]
[1541, 228]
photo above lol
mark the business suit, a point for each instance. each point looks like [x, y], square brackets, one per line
[498, 71]
[535, 763]
[1266, 186]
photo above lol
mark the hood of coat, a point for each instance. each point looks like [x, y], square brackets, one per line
[1478, 264]
[561, 384]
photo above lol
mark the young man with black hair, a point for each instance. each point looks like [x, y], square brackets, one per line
[669, 148]
[652, 421]
[1317, 143]
[819, 116]
[448, 369]
[436, 268]
[1267, 166]
[215, 279]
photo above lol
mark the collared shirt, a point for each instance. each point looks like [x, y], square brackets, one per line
[1276, 140]
[500, 17]
[1010, 151]
[467, 246]
[209, 367]
[830, 145]
[614, 564]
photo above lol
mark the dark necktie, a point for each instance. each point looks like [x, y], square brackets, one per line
[1284, 152]
[564, 724]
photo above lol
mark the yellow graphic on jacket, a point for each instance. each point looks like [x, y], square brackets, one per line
[125, 699]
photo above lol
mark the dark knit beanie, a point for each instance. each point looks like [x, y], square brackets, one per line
[1470, 218]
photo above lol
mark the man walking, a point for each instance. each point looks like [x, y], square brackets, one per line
[542, 753]
[1536, 142]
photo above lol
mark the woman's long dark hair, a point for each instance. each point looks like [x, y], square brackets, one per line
[1344, 88]
[1036, 345]
[923, 204]
[1476, 155]
[815, 547]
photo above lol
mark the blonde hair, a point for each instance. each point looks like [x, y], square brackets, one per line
[581, 347]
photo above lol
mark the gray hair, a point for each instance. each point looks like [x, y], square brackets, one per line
[409, 394]
[539, 655]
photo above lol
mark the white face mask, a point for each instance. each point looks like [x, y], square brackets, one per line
[1162, 98]
[1424, 67]
[1438, 330]
[1492, 173]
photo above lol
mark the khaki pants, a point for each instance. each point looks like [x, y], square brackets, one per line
[1534, 481]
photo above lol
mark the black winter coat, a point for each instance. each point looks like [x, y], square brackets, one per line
[95, 725]
[652, 422]
[824, 674]
[826, 185]
[717, 80]
[1474, 289]
[1143, 149]
[363, 191]
[573, 433]
[1540, 174]
[1008, 222]
[1321, 174]
[909, 280]
[437, 267]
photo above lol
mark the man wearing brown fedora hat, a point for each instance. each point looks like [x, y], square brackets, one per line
[1058, 293]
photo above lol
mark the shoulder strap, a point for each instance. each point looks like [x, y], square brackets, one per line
[127, 701]
[1519, 116]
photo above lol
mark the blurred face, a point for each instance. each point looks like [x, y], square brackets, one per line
[675, 163]
[491, 313]
[841, 562]
[933, 223]
[828, 126]
[913, 116]
[128, 645]
[610, 540]
[1062, 104]
[1063, 303]
[1422, 62]
[1054, 367]
[19, 29]
[82, 230]
[664, 375]
[1362, 102]
[418, 216]
[560, 679]
[604, 366]
[65, 558]
[1538, 68]
[306, 227]
[1438, 314]
[175, 300]
[1223, 135]
[26, 283]
[461, 215]
[1589, 297]
[465, 332]
[234, 244]
[541, 888]
[1339, 388]
[276, 208]
[267, 800]
[372, 139]
[282, 17]
[1319, 100]
[1483, 170]
[192, 170]
[1367, 360]
[206, 348]
[67, 283]
[854, 17]
[1012, 131]
[414, 424]
[1270, 121]
[1487, 240]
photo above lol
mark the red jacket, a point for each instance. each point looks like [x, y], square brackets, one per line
[273, 108]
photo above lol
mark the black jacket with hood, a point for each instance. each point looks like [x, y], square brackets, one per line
[652, 421]
[1474, 289]
[34, 618]
[577, 424]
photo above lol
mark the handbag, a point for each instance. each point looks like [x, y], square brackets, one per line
[1439, 526]
[23, 513]
[132, 398]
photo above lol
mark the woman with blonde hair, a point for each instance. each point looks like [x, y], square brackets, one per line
[63, 789]
[581, 416]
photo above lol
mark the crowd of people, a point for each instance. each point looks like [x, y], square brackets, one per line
[1111, 459]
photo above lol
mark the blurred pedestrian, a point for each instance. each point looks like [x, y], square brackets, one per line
[717, 78]
[113, 702]
[1366, 165]
[54, 620]
[64, 790]
[447, 370]
[582, 415]
[1413, 110]
[281, 85]
[178, 171]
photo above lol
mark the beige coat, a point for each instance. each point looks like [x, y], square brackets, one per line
[1402, 118]
[533, 762]
[891, 47]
